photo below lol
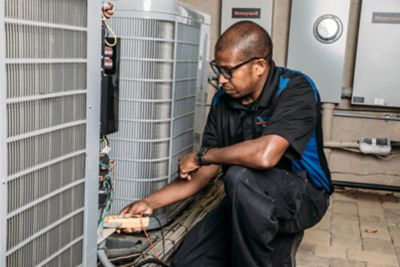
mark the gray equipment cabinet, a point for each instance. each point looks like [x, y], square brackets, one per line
[317, 41]
[376, 75]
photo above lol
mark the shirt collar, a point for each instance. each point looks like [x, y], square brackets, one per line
[266, 95]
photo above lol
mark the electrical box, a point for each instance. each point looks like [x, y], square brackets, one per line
[259, 11]
[317, 41]
[109, 111]
[376, 75]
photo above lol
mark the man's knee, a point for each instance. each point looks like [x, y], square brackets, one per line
[235, 177]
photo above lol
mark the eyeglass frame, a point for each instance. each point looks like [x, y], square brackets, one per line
[228, 71]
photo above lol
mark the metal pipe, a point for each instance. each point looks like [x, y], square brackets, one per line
[340, 144]
[367, 186]
[386, 117]
[327, 122]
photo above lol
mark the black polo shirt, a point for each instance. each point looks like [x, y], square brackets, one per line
[289, 106]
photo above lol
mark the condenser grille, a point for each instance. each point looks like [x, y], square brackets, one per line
[142, 69]
[39, 78]
[28, 41]
[45, 44]
[35, 185]
[68, 12]
[158, 72]
[184, 106]
[131, 89]
[150, 150]
[186, 70]
[36, 218]
[70, 257]
[155, 49]
[136, 28]
[184, 88]
[32, 151]
[142, 130]
[189, 34]
[34, 115]
[39, 249]
[182, 142]
[131, 169]
[183, 124]
[142, 187]
[144, 110]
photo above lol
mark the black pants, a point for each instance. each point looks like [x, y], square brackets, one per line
[260, 222]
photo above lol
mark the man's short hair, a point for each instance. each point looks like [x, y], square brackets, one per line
[249, 38]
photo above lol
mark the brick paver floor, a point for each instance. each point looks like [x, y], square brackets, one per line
[360, 229]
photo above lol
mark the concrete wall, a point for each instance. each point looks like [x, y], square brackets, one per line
[345, 165]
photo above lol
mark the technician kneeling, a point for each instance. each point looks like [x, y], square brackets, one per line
[264, 130]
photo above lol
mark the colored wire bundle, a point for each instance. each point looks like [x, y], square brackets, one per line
[107, 12]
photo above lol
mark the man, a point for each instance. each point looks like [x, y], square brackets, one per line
[264, 129]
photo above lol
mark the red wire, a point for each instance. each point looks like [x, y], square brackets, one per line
[148, 238]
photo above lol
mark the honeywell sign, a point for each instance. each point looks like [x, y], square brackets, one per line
[246, 13]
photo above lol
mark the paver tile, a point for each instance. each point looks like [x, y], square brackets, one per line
[345, 197]
[334, 262]
[378, 245]
[317, 237]
[360, 229]
[331, 252]
[372, 257]
[344, 207]
[395, 234]
[392, 216]
[375, 231]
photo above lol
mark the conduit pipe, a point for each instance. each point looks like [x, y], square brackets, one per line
[327, 122]
[385, 117]
[341, 144]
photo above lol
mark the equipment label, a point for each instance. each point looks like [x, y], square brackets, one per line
[246, 13]
[386, 17]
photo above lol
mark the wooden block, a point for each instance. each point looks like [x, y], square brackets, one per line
[121, 222]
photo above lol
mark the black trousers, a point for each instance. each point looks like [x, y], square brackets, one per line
[260, 222]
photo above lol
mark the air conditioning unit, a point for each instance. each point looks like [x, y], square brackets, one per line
[48, 108]
[160, 66]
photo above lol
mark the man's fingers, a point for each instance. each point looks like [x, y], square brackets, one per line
[124, 210]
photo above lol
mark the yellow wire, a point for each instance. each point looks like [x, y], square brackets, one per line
[110, 31]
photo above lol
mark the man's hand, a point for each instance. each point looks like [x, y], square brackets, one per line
[187, 164]
[139, 207]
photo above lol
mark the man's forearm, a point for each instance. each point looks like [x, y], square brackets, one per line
[261, 153]
[182, 188]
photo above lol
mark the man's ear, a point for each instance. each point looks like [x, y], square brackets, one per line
[261, 67]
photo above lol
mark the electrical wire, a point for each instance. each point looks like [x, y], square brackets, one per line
[107, 183]
[125, 257]
[152, 261]
[161, 230]
[367, 173]
[107, 12]
[148, 237]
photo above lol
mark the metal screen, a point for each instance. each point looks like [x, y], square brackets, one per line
[158, 72]
[43, 131]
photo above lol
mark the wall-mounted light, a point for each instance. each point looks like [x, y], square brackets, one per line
[328, 28]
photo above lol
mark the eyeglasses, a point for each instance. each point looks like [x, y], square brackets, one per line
[227, 72]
